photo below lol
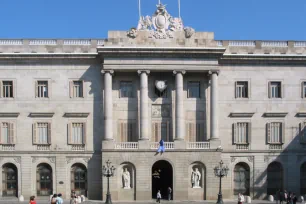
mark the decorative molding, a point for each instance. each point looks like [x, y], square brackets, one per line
[251, 158]
[275, 115]
[17, 160]
[266, 158]
[9, 115]
[241, 115]
[70, 159]
[143, 71]
[301, 114]
[179, 71]
[159, 111]
[213, 72]
[103, 71]
[51, 159]
[41, 115]
[76, 115]
[233, 159]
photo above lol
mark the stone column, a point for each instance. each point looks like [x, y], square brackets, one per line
[144, 105]
[108, 104]
[179, 106]
[214, 133]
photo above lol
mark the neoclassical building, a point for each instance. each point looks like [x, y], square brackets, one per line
[69, 105]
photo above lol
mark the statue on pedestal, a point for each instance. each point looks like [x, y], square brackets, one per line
[196, 178]
[126, 179]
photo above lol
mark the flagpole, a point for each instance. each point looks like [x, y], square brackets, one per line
[179, 7]
[139, 9]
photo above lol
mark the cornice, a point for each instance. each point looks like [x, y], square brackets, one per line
[241, 115]
[7, 56]
[76, 115]
[41, 115]
[275, 115]
[301, 114]
[9, 115]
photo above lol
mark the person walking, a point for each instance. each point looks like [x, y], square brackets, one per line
[239, 198]
[32, 200]
[73, 200]
[281, 197]
[294, 198]
[59, 199]
[158, 196]
[169, 193]
[53, 199]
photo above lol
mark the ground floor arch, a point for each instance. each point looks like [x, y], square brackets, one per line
[44, 184]
[9, 180]
[162, 178]
[78, 180]
[274, 178]
[242, 179]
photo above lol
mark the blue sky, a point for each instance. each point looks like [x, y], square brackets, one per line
[229, 19]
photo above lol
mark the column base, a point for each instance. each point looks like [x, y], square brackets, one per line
[215, 144]
[108, 144]
[180, 144]
[144, 144]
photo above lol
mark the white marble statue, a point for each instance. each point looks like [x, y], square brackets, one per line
[196, 178]
[126, 179]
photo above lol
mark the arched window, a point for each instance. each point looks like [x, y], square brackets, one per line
[242, 179]
[274, 178]
[303, 179]
[79, 179]
[44, 180]
[9, 180]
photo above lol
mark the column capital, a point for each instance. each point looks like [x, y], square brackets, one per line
[179, 71]
[103, 71]
[210, 72]
[145, 71]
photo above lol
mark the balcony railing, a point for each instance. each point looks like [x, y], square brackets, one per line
[126, 145]
[275, 146]
[77, 147]
[242, 146]
[198, 145]
[43, 147]
[167, 145]
[7, 147]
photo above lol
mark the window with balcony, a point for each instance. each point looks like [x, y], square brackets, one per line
[275, 132]
[304, 89]
[127, 131]
[7, 90]
[193, 89]
[77, 133]
[42, 133]
[195, 131]
[76, 89]
[7, 133]
[275, 89]
[242, 89]
[42, 89]
[241, 133]
[161, 130]
[126, 89]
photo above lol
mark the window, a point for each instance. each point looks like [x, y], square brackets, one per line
[9, 180]
[7, 133]
[275, 131]
[242, 89]
[44, 180]
[303, 89]
[76, 89]
[193, 89]
[79, 179]
[161, 130]
[77, 133]
[126, 89]
[7, 89]
[42, 89]
[275, 90]
[242, 133]
[42, 133]
[127, 131]
[195, 132]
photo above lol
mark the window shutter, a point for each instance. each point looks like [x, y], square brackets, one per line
[168, 131]
[249, 136]
[282, 90]
[158, 131]
[34, 133]
[187, 131]
[125, 131]
[1, 89]
[0, 133]
[282, 135]
[49, 89]
[134, 132]
[13, 88]
[71, 89]
[236, 91]
[49, 133]
[83, 89]
[84, 134]
[303, 89]
[269, 90]
[234, 133]
[11, 134]
[36, 89]
[69, 125]
[268, 130]
[153, 133]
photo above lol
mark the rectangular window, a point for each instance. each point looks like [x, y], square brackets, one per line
[304, 89]
[7, 89]
[193, 89]
[195, 132]
[275, 133]
[77, 133]
[76, 89]
[241, 133]
[42, 133]
[242, 89]
[126, 89]
[7, 135]
[161, 130]
[42, 89]
[275, 90]
[127, 131]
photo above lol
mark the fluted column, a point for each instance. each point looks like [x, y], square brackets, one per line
[179, 106]
[108, 104]
[214, 131]
[144, 107]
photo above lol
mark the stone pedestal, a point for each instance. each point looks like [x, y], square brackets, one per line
[144, 144]
[108, 144]
[215, 144]
[180, 144]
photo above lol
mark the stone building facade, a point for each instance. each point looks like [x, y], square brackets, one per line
[67, 106]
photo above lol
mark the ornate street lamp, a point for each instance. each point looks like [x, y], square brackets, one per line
[108, 171]
[220, 171]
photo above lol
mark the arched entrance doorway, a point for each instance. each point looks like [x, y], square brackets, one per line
[274, 178]
[303, 179]
[44, 180]
[162, 178]
[242, 179]
[79, 179]
[9, 180]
